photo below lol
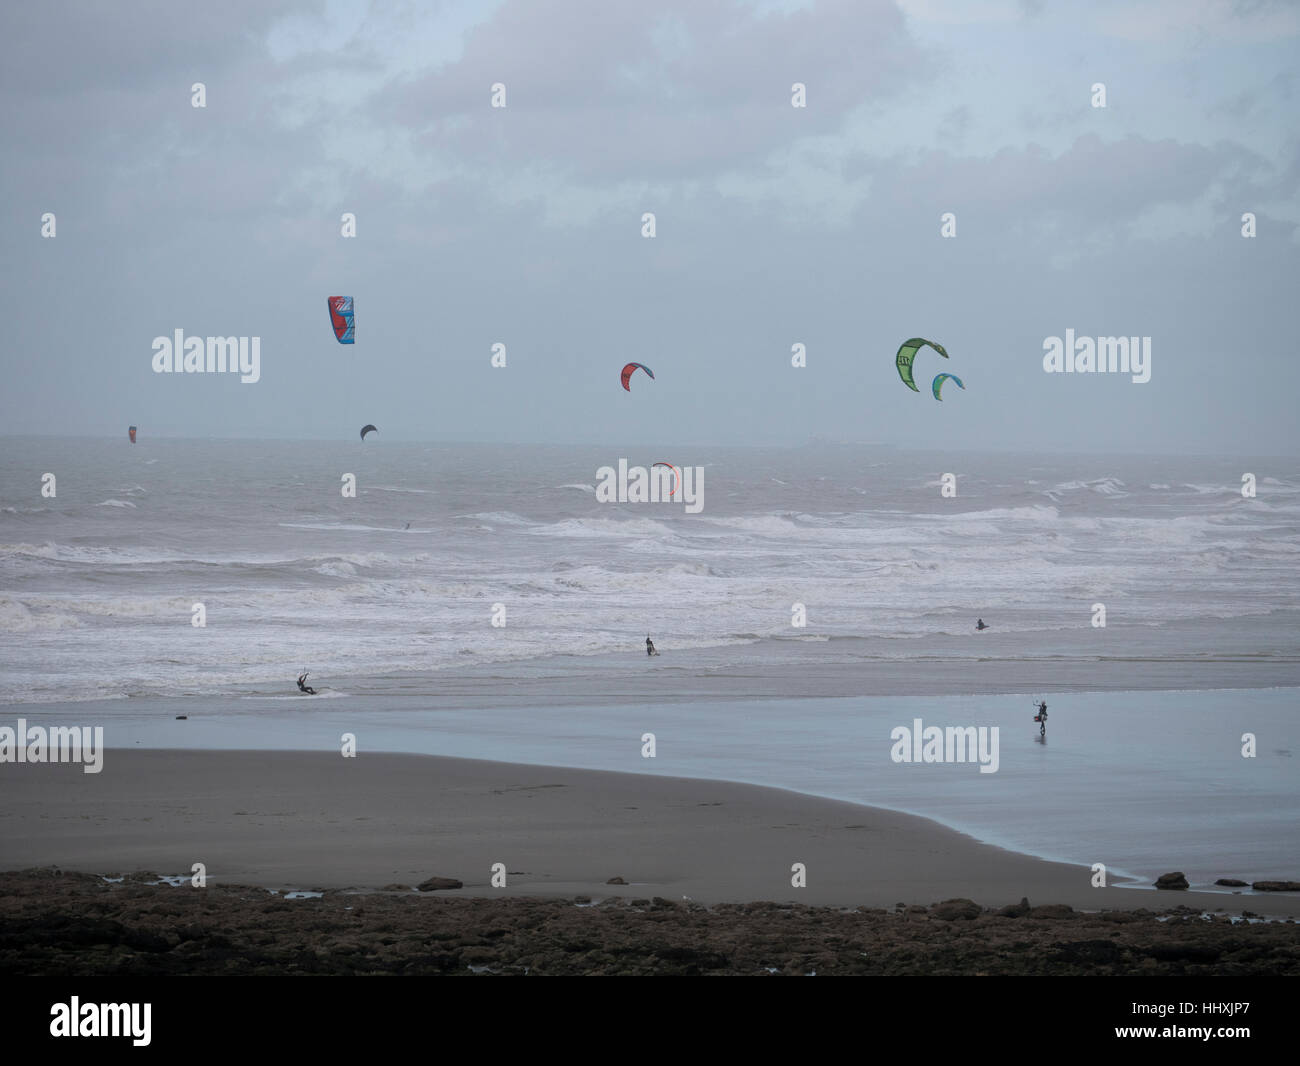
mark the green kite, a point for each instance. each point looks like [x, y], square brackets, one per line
[907, 353]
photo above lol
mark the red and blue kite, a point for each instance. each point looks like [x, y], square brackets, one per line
[341, 319]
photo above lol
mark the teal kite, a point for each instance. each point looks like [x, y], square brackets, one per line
[938, 381]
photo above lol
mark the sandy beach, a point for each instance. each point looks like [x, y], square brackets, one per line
[297, 820]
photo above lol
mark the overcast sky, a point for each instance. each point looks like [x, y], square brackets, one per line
[776, 225]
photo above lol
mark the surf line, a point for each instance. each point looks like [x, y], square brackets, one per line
[57, 744]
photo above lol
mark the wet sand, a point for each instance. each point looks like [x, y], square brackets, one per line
[300, 820]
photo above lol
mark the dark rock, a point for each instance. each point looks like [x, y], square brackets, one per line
[1230, 882]
[1174, 880]
[141, 940]
[435, 883]
[620, 881]
[1052, 910]
[1276, 886]
[692, 960]
[1016, 910]
[396, 888]
[1088, 953]
[1184, 953]
[74, 924]
[952, 910]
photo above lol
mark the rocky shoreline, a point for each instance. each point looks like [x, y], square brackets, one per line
[63, 923]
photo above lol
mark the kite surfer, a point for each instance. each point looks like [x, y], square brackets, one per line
[1041, 718]
[650, 646]
[979, 624]
[303, 686]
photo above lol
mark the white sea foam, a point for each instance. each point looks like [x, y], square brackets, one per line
[98, 602]
[499, 518]
[336, 569]
[18, 617]
[321, 694]
[1103, 486]
[341, 527]
[604, 527]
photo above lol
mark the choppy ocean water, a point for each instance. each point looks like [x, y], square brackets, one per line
[98, 583]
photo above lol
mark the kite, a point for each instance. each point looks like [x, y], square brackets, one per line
[907, 352]
[631, 369]
[367, 429]
[677, 474]
[938, 381]
[341, 319]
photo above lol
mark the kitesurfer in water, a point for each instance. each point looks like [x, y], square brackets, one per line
[303, 686]
[1041, 718]
[979, 624]
[650, 646]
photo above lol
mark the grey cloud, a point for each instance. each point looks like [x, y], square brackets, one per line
[591, 91]
[226, 222]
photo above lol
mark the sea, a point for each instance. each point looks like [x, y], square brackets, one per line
[485, 601]
[98, 584]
